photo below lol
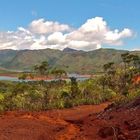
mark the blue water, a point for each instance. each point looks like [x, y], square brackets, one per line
[8, 78]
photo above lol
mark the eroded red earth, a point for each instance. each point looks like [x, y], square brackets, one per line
[88, 122]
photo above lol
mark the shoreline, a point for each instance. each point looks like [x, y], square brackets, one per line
[39, 78]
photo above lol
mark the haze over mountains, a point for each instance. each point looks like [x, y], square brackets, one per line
[69, 59]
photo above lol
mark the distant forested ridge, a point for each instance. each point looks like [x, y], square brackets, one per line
[70, 60]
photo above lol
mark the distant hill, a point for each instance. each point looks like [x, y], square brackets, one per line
[68, 59]
[69, 50]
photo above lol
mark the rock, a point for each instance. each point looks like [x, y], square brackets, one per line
[105, 132]
[109, 131]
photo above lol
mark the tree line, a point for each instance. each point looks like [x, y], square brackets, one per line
[121, 78]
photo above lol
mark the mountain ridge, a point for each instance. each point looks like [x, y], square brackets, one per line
[70, 60]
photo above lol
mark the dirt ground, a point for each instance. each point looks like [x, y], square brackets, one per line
[88, 122]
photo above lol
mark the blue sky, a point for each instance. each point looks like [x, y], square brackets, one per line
[118, 14]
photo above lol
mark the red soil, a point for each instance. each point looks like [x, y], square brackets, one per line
[78, 123]
[49, 125]
[136, 79]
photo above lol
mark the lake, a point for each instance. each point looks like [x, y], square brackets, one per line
[10, 78]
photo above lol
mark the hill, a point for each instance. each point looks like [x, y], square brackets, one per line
[68, 59]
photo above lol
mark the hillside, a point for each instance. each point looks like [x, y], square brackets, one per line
[68, 59]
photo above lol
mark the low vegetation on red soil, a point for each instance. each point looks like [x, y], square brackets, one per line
[88, 122]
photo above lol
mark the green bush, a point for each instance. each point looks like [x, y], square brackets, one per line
[35, 96]
[133, 95]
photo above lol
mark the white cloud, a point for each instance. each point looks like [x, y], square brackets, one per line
[44, 27]
[56, 38]
[94, 25]
[136, 49]
[83, 45]
[95, 31]
[21, 39]
[42, 34]
[116, 36]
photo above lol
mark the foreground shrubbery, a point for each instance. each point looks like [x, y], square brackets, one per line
[123, 79]
[58, 94]
[48, 95]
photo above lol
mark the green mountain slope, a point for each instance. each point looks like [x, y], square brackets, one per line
[70, 60]
[6, 55]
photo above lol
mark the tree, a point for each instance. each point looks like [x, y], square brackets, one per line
[109, 68]
[136, 62]
[109, 73]
[42, 68]
[120, 79]
[131, 66]
[22, 76]
[31, 75]
[103, 82]
[126, 59]
[58, 73]
[74, 87]
[131, 60]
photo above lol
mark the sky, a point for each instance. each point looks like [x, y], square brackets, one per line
[78, 24]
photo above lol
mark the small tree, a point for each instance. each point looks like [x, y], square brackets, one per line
[42, 69]
[120, 79]
[58, 73]
[103, 82]
[74, 87]
[110, 71]
[22, 76]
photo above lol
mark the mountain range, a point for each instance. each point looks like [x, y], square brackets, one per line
[71, 60]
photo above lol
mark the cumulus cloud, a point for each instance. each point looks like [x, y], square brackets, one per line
[44, 27]
[136, 49]
[56, 38]
[95, 31]
[41, 34]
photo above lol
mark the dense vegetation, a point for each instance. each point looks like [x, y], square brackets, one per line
[123, 80]
[117, 84]
[47, 95]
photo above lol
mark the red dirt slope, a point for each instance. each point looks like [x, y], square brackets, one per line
[87, 122]
[122, 123]
[49, 125]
